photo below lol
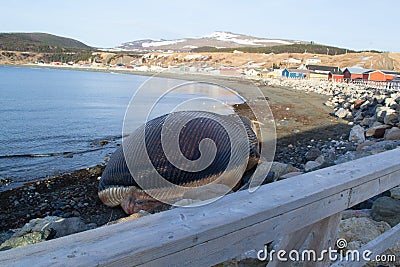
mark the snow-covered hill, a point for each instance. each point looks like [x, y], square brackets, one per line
[216, 39]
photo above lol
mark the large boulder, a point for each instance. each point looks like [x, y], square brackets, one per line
[395, 192]
[358, 103]
[322, 161]
[381, 146]
[382, 112]
[390, 101]
[367, 121]
[38, 230]
[25, 240]
[391, 117]
[367, 204]
[386, 209]
[347, 214]
[312, 165]
[359, 116]
[331, 104]
[353, 155]
[377, 131]
[392, 134]
[60, 226]
[280, 169]
[357, 134]
[342, 113]
[365, 144]
[364, 105]
[359, 231]
[369, 110]
[313, 153]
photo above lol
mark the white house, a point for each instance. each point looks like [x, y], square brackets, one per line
[141, 68]
[292, 61]
[193, 57]
[251, 72]
[312, 61]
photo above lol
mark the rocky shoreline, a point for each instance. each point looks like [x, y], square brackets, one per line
[371, 125]
[373, 114]
[68, 195]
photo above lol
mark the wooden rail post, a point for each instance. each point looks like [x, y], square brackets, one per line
[323, 236]
[319, 236]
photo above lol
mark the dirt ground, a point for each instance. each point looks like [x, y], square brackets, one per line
[304, 113]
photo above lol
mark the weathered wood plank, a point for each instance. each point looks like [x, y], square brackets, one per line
[323, 235]
[372, 188]
[221, 230]
[364, 191]
[292, 241]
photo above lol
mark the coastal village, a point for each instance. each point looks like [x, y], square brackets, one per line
[307, 67]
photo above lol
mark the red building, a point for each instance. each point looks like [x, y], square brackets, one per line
[229, 71]
[336, 76]
[378, 75]
[354, 73]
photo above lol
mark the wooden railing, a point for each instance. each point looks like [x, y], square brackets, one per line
[383, 85]
[287, 210]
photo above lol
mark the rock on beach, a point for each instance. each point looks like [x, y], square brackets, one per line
[42, 229]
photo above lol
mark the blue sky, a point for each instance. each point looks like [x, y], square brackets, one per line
[354, 24]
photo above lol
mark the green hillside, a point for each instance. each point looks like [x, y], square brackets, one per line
[40, 42]
[279, 49]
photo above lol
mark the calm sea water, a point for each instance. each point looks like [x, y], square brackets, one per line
[52, 121]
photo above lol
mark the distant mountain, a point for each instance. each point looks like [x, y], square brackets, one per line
[39, 42]
[216, 39]
[279, 49]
